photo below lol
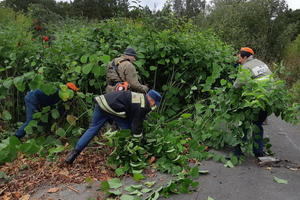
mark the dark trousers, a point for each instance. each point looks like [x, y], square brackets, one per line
[258, 135]
[32, 106]
[99, 119]
[34, 101]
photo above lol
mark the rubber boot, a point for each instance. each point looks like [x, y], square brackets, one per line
[72, 156]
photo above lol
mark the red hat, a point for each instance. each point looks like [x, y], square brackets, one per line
[247, 49]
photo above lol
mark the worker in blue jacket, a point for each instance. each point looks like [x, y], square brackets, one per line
[128, 109]
[35, 100]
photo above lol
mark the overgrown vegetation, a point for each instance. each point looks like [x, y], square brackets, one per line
[190, 65]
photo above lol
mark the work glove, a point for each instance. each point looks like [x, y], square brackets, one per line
[72, 86]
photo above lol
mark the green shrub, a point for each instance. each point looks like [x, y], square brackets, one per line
[292, 61]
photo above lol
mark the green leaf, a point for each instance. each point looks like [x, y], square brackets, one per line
[120, 171]
[279, 180]
[44, 118]
[83, 59]
[7, 83]
[105, 59]
[138, 177]
[19, 83]
[137, 186]
[229, 164]
[129, 189]
[136, 192]
[105, 186]
[93, 58]
[223, 82]
[48, 88]
[186, 115]
[36, 82]
[149, 183]
[60, 132]
[115, 192]
[6, 115]
[114, 183]
[55, 114]
[146, 190]
[89, 180]
[86, 69]
[153, 68]
[175, 60]
[127, 197]
[209, 198]
[57, 149]
[194, 172]
[30, 147]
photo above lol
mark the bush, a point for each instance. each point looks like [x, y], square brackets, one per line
[292, 61]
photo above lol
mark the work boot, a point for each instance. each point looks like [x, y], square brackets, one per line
[72, 156]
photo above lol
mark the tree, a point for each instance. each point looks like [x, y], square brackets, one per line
[260, 24]
[189, 8]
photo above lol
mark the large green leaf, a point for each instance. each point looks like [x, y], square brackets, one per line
[86, 69]
[114, 183]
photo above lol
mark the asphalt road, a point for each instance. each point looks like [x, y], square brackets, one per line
[251, 182]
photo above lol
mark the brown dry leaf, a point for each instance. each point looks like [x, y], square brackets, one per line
[53, 190]
[71, 119]
[17, 195]
[268, 168]
[152, 160]
[64, 172]
[25, 197]
[6, 197]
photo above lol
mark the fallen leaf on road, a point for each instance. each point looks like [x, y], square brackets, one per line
[229, 164]
[279, 180]
[209, 198]
[268, 168]
[64, 172]
[25, 197]
[17, 195]
[53, 190]
[203, 171]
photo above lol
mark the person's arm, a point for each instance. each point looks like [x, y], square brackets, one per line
[131, 76]
[243, 76]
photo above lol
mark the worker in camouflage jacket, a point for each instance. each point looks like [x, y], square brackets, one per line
[121, 69]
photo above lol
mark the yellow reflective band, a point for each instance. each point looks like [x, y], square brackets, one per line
[137, 136]
[264, 78]
[142, 101]
[135, 98]
[104, 106]
[138, 98]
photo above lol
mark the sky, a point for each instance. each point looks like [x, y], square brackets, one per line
[158, 4]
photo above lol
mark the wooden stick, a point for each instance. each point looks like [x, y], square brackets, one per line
[71, 188]
[3, 190]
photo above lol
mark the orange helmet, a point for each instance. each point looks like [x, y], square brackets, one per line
[247, 49]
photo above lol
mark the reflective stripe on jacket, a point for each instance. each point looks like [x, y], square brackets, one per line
[127, 105]
[259, 71]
